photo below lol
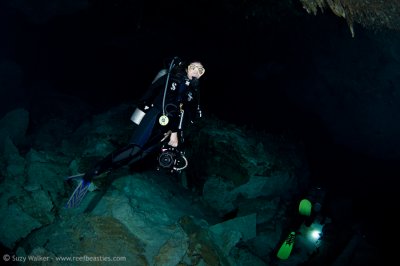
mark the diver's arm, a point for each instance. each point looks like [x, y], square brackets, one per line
[153, 90]
[175, 127]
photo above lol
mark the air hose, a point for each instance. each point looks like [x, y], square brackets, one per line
[164, 118]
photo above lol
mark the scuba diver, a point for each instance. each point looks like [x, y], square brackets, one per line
[171, 101]
[306, 226]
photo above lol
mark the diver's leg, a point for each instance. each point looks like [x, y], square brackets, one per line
[127, 156]
[115, 160]
[132, 152]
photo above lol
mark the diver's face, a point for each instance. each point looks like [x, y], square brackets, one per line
[195, 70]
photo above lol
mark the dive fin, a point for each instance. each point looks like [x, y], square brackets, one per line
[73, 176]
[287, 246]
[79, 194]
[305, 207]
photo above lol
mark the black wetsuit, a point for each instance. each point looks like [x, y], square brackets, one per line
[181, 94]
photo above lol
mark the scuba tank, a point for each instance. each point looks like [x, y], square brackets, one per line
[139, 113]
[137, 116]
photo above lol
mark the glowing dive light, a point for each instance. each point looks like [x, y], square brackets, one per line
[315, 234]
